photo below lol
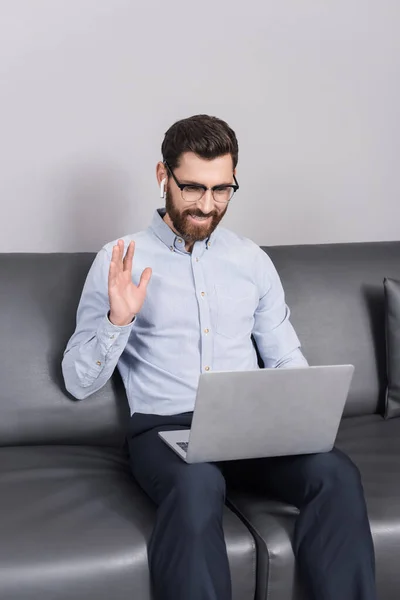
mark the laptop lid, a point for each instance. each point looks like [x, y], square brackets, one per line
[267, 412]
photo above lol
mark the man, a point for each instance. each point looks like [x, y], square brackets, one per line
[184, 298]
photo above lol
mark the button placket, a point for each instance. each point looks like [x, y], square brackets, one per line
[206, 342]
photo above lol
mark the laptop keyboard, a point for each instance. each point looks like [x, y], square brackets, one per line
[183, 445]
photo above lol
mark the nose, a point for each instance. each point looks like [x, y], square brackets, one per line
[206, 203]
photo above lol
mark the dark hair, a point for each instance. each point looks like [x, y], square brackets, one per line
[208, 137]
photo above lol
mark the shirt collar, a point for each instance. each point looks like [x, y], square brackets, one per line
[169, 237]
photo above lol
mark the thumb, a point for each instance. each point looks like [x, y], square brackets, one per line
[145, 278]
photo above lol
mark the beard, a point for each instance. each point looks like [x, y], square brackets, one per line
[189, 230]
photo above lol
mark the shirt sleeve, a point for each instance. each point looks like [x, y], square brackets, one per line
[273, 332]
[94, 349]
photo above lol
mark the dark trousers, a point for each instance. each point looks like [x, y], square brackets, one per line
[187, 552]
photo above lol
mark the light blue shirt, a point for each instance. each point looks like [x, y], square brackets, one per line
[200, 311]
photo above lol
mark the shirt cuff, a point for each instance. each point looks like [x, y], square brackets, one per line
[120, 327]
[108, 333]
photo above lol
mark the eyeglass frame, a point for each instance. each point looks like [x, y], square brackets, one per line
[181, 186]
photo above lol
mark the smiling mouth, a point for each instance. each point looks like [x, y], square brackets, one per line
[198, 219]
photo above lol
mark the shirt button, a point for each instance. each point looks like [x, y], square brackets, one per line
[203, 293]
[206, 368]
[179, 241]
[98, 363]
[112, 337]
[171, 248]
[206, 330]
[197, 259]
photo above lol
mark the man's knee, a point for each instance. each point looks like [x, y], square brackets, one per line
[200, 481]
[334, 471]
[199, 496]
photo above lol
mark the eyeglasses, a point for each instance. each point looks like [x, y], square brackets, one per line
[193, 192]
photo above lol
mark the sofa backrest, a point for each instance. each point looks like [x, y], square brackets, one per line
[39, 295]
[334, 292]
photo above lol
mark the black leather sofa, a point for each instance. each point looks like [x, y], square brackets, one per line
[73, 522]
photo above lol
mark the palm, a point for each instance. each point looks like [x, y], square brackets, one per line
[126, 298]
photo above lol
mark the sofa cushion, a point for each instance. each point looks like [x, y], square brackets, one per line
[392, 312]
[374, 445]
[74, 524]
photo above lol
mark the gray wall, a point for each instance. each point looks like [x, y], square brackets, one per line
[88, 88]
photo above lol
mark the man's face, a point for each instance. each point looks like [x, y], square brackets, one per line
[196, 221]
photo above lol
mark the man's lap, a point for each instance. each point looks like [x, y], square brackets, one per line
[290, 478]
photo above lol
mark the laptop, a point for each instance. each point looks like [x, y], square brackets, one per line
[263, 413]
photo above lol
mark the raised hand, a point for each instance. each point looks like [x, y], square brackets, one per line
[126, 298]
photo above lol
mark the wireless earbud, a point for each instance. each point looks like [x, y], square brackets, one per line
[162, 185]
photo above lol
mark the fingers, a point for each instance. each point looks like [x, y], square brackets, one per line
[116, 264]
[127, 265]
[119, 264]
[145, 278]
[112, 273]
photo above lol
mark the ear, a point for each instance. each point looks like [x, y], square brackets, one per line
[161, 173]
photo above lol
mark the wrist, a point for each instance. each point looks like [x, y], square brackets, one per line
[120, 322]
